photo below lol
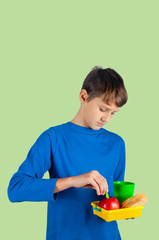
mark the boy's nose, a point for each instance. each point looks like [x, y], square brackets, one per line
[106, 119]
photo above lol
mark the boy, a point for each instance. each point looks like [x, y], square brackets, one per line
[83, 160]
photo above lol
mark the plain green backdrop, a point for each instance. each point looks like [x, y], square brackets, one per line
[47, 49]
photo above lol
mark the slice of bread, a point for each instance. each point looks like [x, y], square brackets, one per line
[135, 201]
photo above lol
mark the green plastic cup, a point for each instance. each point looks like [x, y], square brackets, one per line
[123, 190]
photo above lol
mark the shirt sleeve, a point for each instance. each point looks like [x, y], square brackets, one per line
[27, 183]
[119, 172]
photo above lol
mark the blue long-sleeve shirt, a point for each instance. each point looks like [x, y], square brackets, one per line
[69, 150]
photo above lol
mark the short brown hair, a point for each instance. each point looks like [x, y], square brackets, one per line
[108, 81]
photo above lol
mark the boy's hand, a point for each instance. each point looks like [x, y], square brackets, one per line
[92, 180]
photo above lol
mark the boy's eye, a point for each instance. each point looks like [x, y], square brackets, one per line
[105, 110]
[101, 110]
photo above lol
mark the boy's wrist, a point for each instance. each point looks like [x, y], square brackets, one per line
[71, 181]
[63, 183]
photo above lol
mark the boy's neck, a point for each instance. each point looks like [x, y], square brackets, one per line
[78, 119]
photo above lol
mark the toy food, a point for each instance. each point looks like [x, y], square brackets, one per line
[109, 203]
[135, 201]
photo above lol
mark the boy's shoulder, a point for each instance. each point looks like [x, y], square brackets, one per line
[55, 129]
[60, 128]
[113, 136]
[50, 133]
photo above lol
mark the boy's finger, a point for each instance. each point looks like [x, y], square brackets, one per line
[96, 186]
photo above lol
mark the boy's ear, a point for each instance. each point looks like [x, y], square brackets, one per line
[83, 95]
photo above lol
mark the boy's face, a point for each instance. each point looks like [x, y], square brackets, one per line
[96, 113]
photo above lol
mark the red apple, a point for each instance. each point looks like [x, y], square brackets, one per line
[110, 203]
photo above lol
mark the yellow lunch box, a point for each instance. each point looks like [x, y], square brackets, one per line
[117, 214]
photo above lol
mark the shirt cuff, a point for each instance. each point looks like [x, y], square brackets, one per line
[53, 196]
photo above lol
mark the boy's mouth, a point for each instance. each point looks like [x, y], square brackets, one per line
[100, 124]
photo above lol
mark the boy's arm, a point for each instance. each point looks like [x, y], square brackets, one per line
[27, 183]
[120, 169]
[63, 183]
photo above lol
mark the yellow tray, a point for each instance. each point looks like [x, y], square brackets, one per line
[112, 215]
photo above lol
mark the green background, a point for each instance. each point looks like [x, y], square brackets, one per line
[47, 49]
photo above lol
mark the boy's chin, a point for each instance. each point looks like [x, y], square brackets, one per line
[96, 127]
